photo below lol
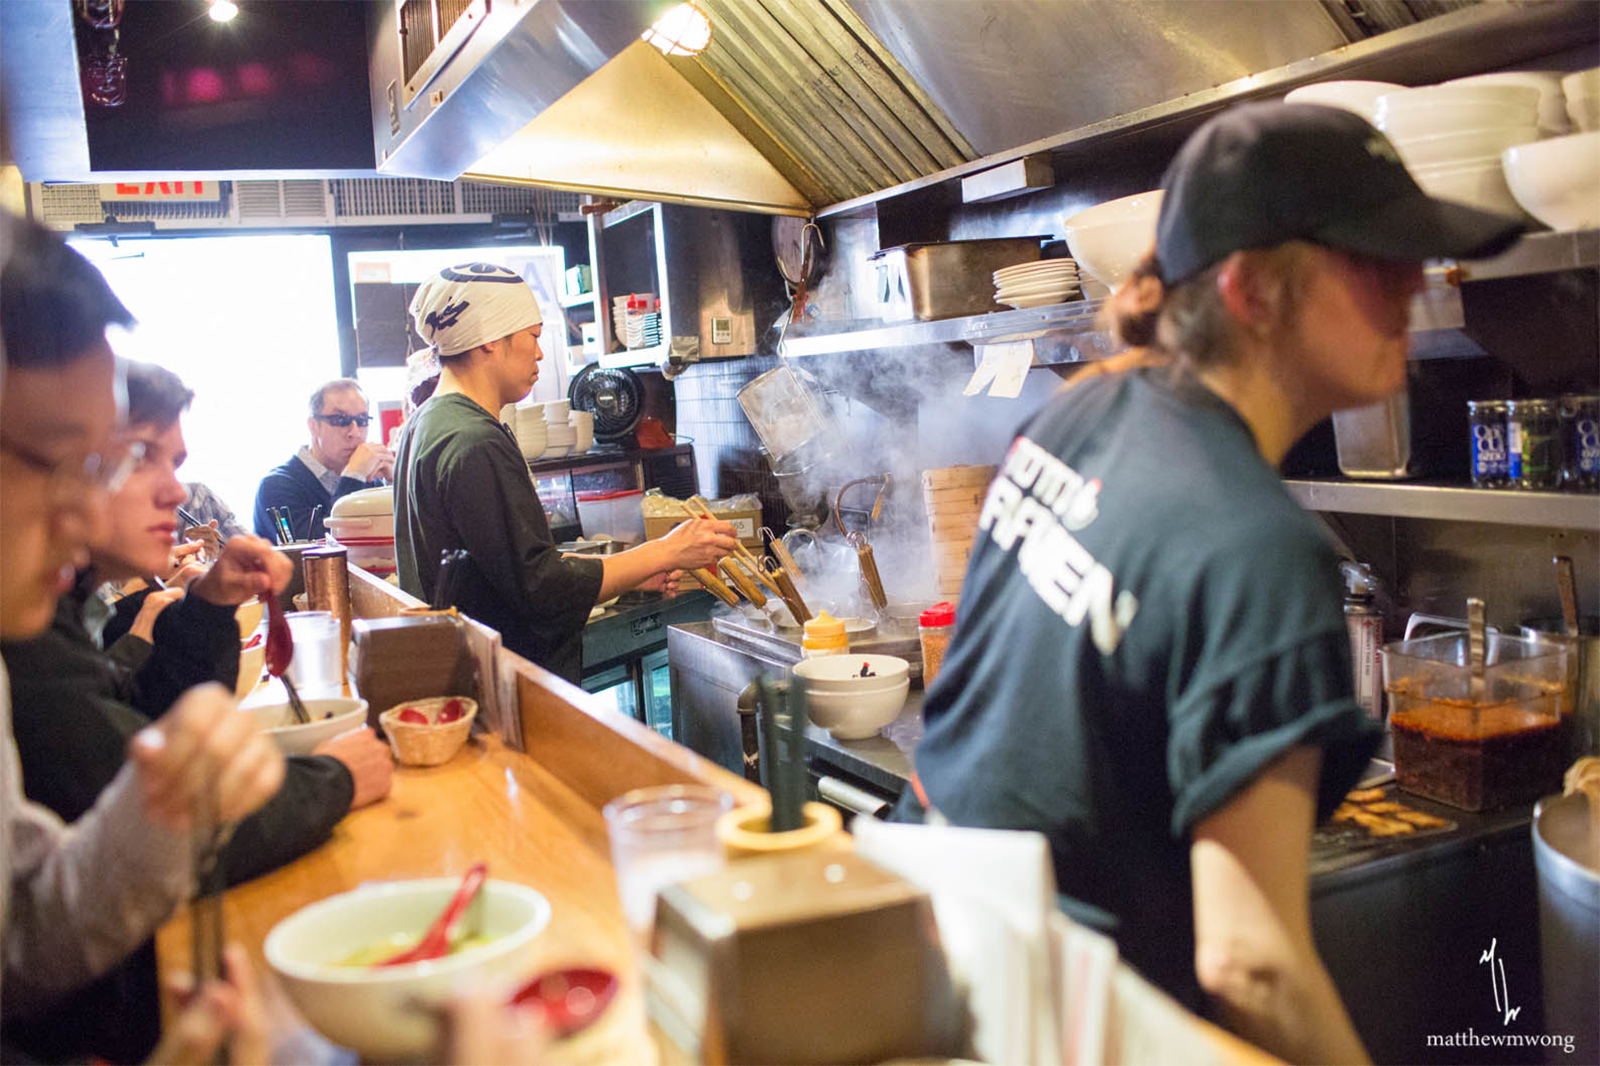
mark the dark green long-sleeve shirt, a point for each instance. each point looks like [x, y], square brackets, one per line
[461, 483]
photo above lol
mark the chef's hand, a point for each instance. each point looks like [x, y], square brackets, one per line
[662, 581]
[368, 760]
[204, 742]
[370, 461]
[144, 623]
[699, 542]
[248, 566]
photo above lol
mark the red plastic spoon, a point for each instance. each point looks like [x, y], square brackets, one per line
[280, 652]
[435, 943]
[570, 999]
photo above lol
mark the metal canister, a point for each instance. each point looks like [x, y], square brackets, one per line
[1532, 443]
[1580, 443]
[327, 574]
[1490, 459]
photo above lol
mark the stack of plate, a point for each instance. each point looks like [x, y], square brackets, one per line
[620, 306]
[643, 329]
[1045, 281]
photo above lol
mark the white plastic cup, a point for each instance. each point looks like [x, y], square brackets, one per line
[314, 669]
[659, 836]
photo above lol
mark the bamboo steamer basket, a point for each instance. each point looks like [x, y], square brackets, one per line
[953, 497]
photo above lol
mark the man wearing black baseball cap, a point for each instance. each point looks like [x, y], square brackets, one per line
[1150, 663]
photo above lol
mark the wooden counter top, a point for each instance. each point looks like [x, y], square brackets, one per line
[534, 817]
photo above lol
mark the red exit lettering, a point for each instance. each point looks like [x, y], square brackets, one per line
[169, 188]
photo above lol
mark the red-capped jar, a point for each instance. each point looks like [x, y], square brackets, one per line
[933, 630]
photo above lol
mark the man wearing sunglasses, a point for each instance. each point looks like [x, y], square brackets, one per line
[338, 461]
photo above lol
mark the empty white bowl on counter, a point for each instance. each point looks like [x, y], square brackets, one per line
[375, 1009]
[1349, 95]
[1110, 238]
[1558, 181]
[329, 718]
[847, 705]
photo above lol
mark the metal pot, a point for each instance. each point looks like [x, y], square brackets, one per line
[1569, 920]
[1583, 672]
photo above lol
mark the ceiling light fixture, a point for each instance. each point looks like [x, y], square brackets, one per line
[222, 10]
[683, 31]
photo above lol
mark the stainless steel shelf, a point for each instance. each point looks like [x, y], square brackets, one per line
[1487, 36]
[1538, 253]
[1556, 510]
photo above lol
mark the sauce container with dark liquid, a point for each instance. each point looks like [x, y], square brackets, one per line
[1477, 743]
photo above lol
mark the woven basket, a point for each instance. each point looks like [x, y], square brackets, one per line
[432, 744]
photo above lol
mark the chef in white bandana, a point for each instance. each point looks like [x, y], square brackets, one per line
[461, 483]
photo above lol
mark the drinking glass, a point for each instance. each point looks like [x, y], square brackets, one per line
[315, 666]
[661, 835]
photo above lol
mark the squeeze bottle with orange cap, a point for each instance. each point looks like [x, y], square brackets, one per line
[824, 635]
[933, 631]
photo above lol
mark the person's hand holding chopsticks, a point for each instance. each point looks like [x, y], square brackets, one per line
[248, 566]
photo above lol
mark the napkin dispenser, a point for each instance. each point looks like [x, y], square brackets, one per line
[810, 956]
[393, 660]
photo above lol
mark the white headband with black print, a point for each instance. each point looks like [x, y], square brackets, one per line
[464, 306]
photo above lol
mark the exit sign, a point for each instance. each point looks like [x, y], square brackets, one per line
[162, 190]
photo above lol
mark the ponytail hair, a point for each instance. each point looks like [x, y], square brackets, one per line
[1134, 311]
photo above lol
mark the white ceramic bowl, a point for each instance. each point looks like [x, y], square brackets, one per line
[250, 663]
[857, 715]
[1583, 100]
[556, 451]
[249, 616]
[373, 1009]
[1558, 181]
[557, 411]
[583, 429]
[1462, 93]
[1553, 120]
[1427, 118]
[1109, 239]
[1581, 83]
[1463, 145]
[329, 718]
[840, 673]
[1478, 184]
[1350, 95]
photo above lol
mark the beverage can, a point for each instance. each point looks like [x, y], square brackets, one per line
[1580, 443]
[1532, 443]
[1491, 465]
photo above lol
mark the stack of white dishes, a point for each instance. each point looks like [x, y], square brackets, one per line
[530, 429]
[619, 309]
[1582, 94]
[1451, 137]
[1035, 284]
[1558, 181]
[583, 426]
[560, 433]
[643, 329]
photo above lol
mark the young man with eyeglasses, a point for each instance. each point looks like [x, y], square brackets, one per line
[338, 461]
[75, 900]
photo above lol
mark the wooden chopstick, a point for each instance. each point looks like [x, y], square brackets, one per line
[697, 509]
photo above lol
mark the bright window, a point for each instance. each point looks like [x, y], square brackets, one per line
[249, 323]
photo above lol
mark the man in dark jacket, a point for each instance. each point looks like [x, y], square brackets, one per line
[338, 461]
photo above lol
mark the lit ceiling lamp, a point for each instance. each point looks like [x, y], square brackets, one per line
[222, 10]
[683, 31]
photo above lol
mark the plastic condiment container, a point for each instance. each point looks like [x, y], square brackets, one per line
[1477, 744]
[824, 635]
[933, 630]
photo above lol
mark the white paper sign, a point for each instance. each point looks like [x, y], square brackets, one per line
[1014, 359]
[988, 367]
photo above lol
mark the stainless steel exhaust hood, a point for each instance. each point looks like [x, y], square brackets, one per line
[796, 104]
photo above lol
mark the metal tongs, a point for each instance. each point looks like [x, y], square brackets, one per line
[746, 571]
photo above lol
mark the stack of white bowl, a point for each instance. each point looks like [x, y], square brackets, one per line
[1451, 137]
[1558, 181]
[1110, 238]
[582, 423]
[1036, 283]
[1582, 94]
[560, 434]
[530, 429]
[1358, 96]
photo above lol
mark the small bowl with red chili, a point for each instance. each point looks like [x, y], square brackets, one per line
[428, 732]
